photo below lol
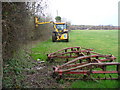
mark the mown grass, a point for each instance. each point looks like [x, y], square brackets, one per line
[102, 41]
[99, 84]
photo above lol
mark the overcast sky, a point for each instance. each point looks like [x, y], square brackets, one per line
[86, 12]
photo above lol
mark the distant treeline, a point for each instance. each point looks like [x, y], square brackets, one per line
[92, 27]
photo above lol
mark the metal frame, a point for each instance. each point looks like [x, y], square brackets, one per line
[71, 52]
[85, 62]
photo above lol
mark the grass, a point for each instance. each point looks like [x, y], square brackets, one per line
[93, 84]
[102, 41]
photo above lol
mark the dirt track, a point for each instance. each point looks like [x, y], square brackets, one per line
[41, 78]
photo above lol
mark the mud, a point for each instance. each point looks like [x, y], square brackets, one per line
[41, 77]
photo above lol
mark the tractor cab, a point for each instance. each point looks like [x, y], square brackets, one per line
[61, 27]
[60, 32]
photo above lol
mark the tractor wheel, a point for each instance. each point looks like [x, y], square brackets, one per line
[67, 40]
[53, 37]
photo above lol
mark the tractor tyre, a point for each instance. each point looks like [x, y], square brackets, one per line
[54, 37]
[67, 40]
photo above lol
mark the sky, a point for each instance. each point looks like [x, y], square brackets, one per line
[86, 12]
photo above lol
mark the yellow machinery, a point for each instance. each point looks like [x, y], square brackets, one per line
[60, 30]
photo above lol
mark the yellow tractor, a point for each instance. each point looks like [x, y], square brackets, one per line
[60, 32]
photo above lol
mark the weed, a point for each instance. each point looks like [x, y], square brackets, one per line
[13, 69]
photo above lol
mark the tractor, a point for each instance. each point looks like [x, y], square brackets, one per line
[60, 32]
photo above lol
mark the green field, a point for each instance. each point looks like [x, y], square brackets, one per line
[102, 41]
